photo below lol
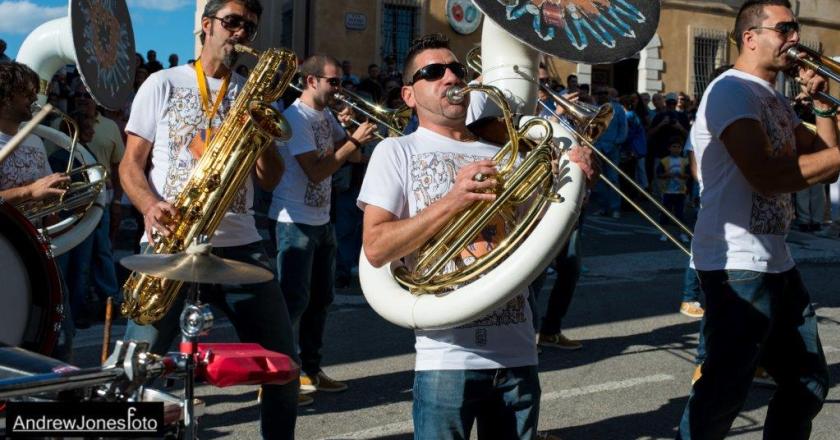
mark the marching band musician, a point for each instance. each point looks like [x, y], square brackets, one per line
[26, 175]
[414, 186]
[174, 115]
[752, 153]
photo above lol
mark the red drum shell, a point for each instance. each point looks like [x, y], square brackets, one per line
[35, 321]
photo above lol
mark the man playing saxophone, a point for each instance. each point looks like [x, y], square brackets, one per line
[174, 115]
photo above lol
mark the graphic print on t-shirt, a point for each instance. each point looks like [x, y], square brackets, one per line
[187, 123]
[24, 166]
[317, 194]
[432, 176]
[773, 214]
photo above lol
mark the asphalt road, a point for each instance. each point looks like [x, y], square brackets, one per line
[630, 381]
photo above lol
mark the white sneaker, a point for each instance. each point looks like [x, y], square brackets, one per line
[684, 238]
[663, 238]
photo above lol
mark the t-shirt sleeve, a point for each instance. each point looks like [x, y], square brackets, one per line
[384, 179]
[147, 108]
[303, 139]
[729, 101]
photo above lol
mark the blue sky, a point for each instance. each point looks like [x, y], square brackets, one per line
[163, 25]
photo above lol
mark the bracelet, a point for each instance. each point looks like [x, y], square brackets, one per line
[354, 141]
[830, 113]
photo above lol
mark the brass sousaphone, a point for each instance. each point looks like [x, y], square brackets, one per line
[430, 295]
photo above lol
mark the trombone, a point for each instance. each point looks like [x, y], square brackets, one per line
[592, 122]
[394, 120]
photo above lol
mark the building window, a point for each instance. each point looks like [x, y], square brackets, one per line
[399, 24]
[710, 51]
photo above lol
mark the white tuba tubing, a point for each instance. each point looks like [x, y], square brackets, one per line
[397, 305]
[501, 53]
[88, 223]
[46, 49]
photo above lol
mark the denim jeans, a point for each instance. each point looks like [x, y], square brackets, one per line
[757, 318]
[567, 266]
[92, 260]
[306, 269]
[258, 313]
[505, 402]
[691, 285]
[608, 200]
[348, 231]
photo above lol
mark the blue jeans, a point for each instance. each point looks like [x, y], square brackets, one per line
[348, 231]
[505, 402]
[691, 285]
[608, 200]
[93, 260]
[258, 313]
[567, 265]
[757, 318]
[306, 269]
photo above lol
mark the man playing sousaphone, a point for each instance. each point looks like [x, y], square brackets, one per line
[752, 152]
[416, 184]
[173, 117]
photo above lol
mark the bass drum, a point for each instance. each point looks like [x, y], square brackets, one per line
[32, 299]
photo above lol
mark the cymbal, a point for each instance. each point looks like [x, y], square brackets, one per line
[197, 268]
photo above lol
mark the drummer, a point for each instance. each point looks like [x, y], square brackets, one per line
[25, 175]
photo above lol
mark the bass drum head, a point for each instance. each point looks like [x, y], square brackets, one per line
[31, 312]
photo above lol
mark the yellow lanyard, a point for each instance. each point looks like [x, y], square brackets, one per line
[209, 112]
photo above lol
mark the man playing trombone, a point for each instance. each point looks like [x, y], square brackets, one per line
[752, 153]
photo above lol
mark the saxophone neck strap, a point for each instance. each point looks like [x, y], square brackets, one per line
[209, 110]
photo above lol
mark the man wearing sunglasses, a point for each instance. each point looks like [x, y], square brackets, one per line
[415, 185]
[752, 152]
[175, 113]
[306, 243]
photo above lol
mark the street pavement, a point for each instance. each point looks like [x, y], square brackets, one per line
[630, 381]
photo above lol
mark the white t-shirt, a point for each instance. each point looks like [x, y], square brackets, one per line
[296, 199]
[738, 228]
[27, 164]
[167, 112]
[407, 174]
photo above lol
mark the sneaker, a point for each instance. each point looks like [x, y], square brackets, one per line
[684, 238]
[691, 309]
[305, 400]
[557, 340]
[696, 375]
[321, 382]
[616, 215]
[663, 238]
[761, 377]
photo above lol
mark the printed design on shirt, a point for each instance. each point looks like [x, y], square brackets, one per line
[432, 176]
[513, 312]
[26, 165]
[772, 215]
[318, 194]
[187, 126]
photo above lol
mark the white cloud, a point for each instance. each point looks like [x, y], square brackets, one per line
[21, 17]
[160, 5]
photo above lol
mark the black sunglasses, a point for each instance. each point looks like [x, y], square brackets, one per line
[235, 22]
[332, 81]
[786, 28]
[434, 72]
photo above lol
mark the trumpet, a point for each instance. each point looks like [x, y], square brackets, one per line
[590, 122]
[819, 63]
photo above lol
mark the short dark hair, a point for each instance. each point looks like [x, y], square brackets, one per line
[213, 6]
[751, 15]
[314, 65]
[14, 77]
[426, 42]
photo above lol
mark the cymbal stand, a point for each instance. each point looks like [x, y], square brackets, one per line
[196, 320]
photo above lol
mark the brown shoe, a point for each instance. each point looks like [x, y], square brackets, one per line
[321, 382]
[692, 309]
[305, 400]
[761, 377]
[696, 375]
[557, 340]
